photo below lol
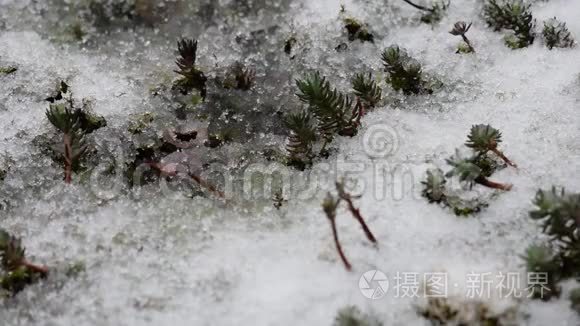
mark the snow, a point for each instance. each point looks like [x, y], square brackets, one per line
[156, 257]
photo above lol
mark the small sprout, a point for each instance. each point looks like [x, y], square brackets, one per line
[19, 272]
[434, 186]
[404, 72]
[302, 136]
[470, 173]
[366, 89]
[7, 70]
[483, 138]
[330, 206]
[557, 35]
[460, 29]
[513, 15]
[434, 13]
[240, 77]
[67, 122]
[278, 199]
[541, 259]
[192, 77]
[352, 316]
[357, 31]
[333, 110]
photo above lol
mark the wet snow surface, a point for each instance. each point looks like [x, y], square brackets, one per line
[156, 256]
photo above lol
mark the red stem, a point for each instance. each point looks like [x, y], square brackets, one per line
[39, 269]
[338, 246]
[67, 158]
[491, 184]
[467, 42]
[208, 186]
[357, 215]
[503, 157]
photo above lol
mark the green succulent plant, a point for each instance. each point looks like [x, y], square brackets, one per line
[557, 35]
[434, 186]
[192, 77]
[302, 136]
[514, 15]
[366, 89]
[559, 213]
[484, 138]
[18, 272]
[542, 259]
[404, 73]
[333, 110]
[240, 77]
[460, 29]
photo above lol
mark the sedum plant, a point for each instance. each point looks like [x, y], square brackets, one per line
[483, 139]
[512, 15]
[366, 90]
[474, 169]
[18, 272]
[404, 73]
[302, 136]
[333, 110]
[557, 35]
[74, 123]
[460, 29]
[192, 77]
[240, 77]
[559, 214]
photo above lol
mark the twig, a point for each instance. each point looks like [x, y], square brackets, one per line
[355, 212]
[419, 7]
[347, 265]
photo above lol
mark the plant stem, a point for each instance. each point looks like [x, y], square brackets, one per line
[503, 157]
[68, 159]
[338, 246]
[357, 215]
[38, 269]
[491, 184]
[466, 40]
[207, 186]
[419, 7]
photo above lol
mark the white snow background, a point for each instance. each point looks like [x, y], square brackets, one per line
[172, 260]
